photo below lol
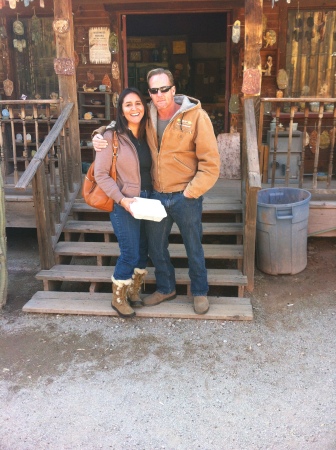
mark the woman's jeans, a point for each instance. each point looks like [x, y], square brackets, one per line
[187, 214]
[132, 240]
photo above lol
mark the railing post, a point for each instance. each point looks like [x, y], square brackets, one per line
[40, 192]
[3, 247]
[252, 184]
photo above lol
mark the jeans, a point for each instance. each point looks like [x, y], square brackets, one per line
[187, 213]
[132, 239]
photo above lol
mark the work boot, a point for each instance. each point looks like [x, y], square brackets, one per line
[133, 292]
[157, 297]
[201, 304]
[119, 298]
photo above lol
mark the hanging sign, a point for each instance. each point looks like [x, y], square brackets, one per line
[99, 52]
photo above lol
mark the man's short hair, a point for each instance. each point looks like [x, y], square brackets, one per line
[160, 71]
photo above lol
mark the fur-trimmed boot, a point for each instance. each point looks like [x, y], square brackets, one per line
[133, 292]
[119, 298]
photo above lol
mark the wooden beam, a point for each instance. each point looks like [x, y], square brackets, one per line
[67, 85]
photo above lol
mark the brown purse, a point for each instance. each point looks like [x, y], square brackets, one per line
[92, 194]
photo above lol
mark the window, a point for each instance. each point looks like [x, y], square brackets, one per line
[311, 53]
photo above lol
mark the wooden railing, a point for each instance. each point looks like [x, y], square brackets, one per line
[32, 120]
[251, 184]
[307, 129]
[54, 177]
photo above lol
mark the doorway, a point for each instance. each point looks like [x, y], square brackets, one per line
[193, 46]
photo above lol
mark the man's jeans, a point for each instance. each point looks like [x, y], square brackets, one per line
[132, 239]
[187, 213]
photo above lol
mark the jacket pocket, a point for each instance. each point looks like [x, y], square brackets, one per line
[190, 169]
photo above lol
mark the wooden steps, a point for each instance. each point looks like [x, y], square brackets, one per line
[86, 256]
[111, 249]
[105, 227]
[99, 304]
[102, 274]
[211, 206]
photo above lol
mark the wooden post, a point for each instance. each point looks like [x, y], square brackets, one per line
[67, 83]
[251, 88]
[3, 247]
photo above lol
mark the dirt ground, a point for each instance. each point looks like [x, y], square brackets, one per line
[75, 382]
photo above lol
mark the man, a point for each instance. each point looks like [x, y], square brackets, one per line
[185, 166]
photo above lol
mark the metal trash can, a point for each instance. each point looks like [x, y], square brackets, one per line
[282, 229]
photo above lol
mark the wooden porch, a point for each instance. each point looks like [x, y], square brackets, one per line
[80, 281]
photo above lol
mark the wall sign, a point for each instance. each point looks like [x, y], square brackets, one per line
[99, 52]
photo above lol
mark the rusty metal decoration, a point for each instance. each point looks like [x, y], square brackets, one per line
[251, 82]
[61, 26]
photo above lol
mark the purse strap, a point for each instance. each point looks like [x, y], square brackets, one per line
[113, 172]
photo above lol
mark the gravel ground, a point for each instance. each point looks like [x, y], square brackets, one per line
[75, 382]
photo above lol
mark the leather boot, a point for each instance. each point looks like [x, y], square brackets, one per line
[119, 298]
[157, 297]
[133, 292]
[201, 304]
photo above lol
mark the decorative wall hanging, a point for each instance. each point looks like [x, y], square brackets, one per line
[8, 87]
[18, 27]
[113, 43]
[282, 79]
[115, 70]
[36, 29]
[234, 104]
[251, 82]
[19, 44]
[236, 32]
[324, 140]
[99, 51]
[61, 26]
[64, 66]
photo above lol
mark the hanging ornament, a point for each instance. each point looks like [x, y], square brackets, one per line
[251, 81]
[282, 79]
[19, 44]
[113, 43]
[236, 32]
[18, 27]
[8, 87]
[234, 104]
[36, 28]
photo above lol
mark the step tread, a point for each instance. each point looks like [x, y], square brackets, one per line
[97, 226]
[222, 308]
[214, 251]
[102, 274]
[211, 206]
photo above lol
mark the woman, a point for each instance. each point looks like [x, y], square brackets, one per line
[133, 180]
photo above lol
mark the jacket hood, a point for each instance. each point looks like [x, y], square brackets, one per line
[186, 103]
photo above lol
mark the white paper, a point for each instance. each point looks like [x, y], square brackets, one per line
[148, 209]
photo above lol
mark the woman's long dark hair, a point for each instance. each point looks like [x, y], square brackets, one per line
[121, 122]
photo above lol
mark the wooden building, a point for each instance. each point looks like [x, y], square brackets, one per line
[258, 66]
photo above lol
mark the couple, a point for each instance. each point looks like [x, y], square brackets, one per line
[167, 151]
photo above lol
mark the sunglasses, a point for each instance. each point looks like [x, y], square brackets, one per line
[163, 90]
